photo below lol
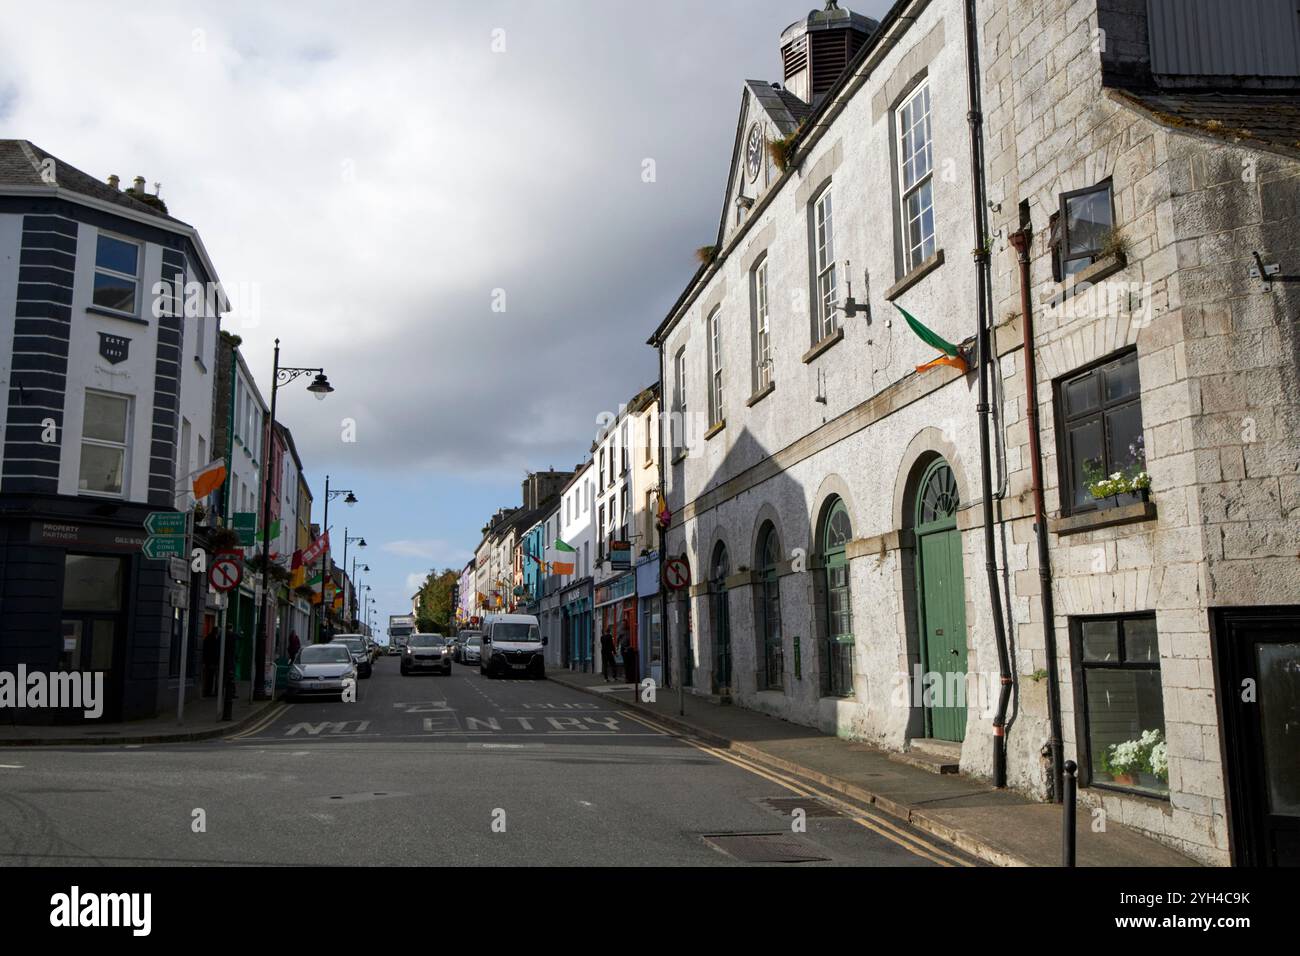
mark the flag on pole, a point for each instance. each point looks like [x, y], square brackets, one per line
[208, 479]
[275, 530]
[952, 354]
[562, 558]
[297, 571]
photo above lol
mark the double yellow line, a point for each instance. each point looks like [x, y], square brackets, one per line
[267, 720]
[878, 825]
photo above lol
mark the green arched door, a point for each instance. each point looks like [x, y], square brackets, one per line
[721, 621]
[941, 584]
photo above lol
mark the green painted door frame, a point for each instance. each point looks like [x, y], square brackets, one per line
[941, 600]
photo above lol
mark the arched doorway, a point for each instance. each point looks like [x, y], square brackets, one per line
[719, 571]
[836, 533]
[770, 648]
[941, 593]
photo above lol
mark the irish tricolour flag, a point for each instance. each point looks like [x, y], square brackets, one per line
[561, 558]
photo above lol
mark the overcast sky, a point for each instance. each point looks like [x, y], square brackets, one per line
[382, 174]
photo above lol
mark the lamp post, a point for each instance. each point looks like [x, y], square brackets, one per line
[351, 580]
[356, 584]
[320, 387]
[350, 500]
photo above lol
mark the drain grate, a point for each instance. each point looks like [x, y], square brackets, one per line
[764, 848]
[811, 806]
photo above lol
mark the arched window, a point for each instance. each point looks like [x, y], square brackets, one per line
[719, 571]
[836, 533]
[771, 650]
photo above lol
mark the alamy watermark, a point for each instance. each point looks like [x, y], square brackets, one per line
[53, 690]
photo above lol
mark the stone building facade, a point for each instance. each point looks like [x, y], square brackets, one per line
[1199, 179]
[827, 491]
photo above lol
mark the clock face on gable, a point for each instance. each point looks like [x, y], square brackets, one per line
[754, 151]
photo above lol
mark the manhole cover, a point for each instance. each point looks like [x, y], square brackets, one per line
[764, 848]
[811, 806]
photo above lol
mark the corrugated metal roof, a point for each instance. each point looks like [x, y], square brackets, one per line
[1210, 38]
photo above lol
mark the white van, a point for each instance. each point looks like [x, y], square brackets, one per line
[512, 645]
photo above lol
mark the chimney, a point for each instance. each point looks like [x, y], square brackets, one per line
[137, 187]
[114, 181]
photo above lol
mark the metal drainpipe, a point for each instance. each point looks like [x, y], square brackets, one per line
[981, 255]
[1020, 241]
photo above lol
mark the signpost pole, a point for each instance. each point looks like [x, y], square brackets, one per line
[221, 662]
[185, 619]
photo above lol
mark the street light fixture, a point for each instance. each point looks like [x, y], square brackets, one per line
[320, 387]
[350, 500]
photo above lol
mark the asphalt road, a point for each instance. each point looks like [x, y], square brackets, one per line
[434, 770]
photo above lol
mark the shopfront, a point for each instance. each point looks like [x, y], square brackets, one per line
[650, 606]
[577, 623]
[616, 610]
[78, 595]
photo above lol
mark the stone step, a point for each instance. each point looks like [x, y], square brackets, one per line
[934, 756]
[937, 748]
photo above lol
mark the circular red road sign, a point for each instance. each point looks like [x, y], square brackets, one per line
[677, 574]
[226, 572]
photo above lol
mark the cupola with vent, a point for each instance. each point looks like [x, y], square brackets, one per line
[817, 49]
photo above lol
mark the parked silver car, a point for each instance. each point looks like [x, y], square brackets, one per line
[321, 670]
[427, 652]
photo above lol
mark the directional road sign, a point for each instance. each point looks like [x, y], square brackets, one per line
[159, 548]
[165, 523]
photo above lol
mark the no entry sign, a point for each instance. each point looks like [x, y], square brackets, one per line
[226, 572]
[677, 574]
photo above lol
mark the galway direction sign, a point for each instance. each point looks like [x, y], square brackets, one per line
[165, 523]
[160, 547]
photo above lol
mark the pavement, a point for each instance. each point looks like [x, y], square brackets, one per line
[200, 722]
[997, 826]
[458, 770]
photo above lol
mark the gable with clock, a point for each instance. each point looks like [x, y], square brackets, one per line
[768, 111]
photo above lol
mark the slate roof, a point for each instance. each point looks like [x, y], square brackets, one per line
[1260, 120]
[786, 110]
[20, 165]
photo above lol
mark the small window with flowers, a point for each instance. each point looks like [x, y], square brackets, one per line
[1101, 445]
[1121, 723]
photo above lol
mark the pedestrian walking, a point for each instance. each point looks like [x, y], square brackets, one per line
[232, 646]
[295, 645]
[211, 655]
[629, 660]
[608, 661]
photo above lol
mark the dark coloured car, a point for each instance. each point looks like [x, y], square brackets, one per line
[427, 652]
[360, 653]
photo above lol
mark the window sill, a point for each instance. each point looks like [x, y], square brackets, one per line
[1135, 513]
[110, 314]
[715, 429]
[915, 276]
[761, 394]
[1160, 803]
[823, 345]
[1101, 269]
